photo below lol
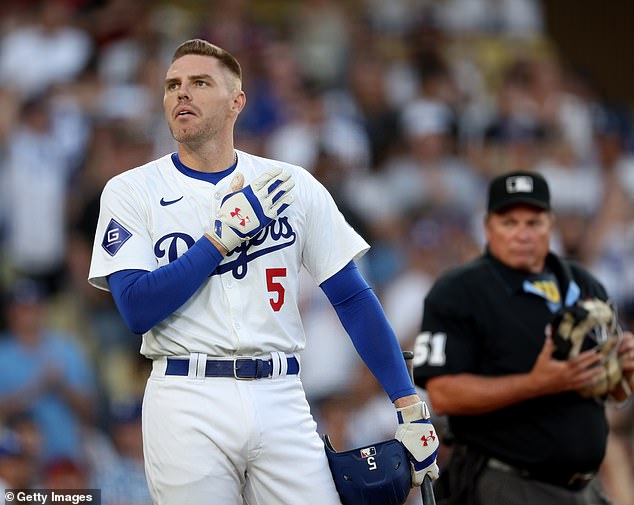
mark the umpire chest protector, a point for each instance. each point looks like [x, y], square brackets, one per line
[375, 475]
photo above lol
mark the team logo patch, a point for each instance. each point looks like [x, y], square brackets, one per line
[114, 237]
[367, 452]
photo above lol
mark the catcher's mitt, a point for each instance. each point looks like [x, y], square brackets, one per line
[589, 324]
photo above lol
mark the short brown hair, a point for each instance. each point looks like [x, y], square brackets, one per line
[205, 48]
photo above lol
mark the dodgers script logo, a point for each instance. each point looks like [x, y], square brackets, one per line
[170, 244]
[280, 232]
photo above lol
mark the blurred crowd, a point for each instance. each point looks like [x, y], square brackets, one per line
[404, 110]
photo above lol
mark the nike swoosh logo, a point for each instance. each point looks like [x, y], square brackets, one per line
[165, 203]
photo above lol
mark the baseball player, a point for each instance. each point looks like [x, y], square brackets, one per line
[201, 250]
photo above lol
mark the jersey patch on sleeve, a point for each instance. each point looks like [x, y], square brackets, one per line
[115, 236]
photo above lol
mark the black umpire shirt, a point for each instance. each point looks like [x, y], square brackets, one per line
[487, 319]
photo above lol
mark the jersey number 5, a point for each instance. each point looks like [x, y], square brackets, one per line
[429, 348]
[273, 286]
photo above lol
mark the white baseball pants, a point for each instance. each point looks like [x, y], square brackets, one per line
[224, 441]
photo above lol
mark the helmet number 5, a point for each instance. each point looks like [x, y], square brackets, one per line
[274, 286]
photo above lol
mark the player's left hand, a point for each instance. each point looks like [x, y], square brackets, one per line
[246, 211]
[416, 432]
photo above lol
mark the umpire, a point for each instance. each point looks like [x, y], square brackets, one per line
[523, 434]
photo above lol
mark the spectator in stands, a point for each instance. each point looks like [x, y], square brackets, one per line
[45, 372]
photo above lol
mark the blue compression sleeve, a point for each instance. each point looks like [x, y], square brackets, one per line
[145, 298]
[363, 318]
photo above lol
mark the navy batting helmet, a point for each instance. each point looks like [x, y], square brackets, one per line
[375, 475]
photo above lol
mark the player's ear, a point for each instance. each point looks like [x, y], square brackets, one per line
[239, 101]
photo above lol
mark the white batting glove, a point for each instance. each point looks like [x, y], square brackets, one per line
[246, 211]
[419, 437]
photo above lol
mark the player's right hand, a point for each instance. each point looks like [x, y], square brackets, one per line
[246, 211]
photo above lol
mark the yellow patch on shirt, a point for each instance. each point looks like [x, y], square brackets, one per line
[549, 290]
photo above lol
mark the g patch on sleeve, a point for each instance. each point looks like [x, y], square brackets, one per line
[115, 236]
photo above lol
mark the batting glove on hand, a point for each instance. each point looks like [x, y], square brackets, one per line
[246, 211]
[419, 437]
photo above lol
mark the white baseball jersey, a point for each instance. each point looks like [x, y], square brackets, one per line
[152, 214]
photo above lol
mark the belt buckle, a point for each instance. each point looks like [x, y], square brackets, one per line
[235, 370]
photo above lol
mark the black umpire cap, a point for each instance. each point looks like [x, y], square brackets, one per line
[518, 187]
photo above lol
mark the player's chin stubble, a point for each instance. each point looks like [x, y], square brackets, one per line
[186, 134]
[193, 133]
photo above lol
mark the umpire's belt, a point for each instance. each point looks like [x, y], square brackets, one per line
[574, 482]
[244, 368]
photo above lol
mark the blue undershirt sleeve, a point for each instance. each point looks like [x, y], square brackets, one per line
[362, 316]
[145, 298]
